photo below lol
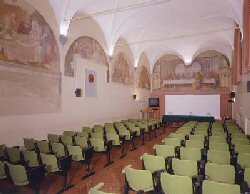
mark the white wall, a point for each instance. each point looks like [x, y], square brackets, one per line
[114, 102]
[241, 107]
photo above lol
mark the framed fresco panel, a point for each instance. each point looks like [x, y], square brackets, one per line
[90, 83]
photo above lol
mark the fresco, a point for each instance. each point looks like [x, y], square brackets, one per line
[26, 40]
[144, 78]
[29, 61]
[205, 73]
[87, 48]
[122, 69]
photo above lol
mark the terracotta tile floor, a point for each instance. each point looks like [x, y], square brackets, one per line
[111, 176]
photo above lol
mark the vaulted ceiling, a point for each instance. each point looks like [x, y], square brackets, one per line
[158, 27]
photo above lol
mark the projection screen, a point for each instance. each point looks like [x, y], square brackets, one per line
[202, 105]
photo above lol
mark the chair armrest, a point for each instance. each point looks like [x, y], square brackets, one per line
[126, 167]
[201, 165]
[157, 174]
[169, 164]
[197, 183]
[177, 151]
[183, 142]
[36, 174]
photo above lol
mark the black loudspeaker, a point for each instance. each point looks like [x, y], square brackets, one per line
[78, 92]
[232, 95]
[248, 86]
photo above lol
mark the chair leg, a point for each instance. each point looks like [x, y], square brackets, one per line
[88, 170]
[108, 159]
[133, 142]
[143, 137]
[123, 149]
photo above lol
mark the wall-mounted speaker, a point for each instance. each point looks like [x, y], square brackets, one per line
[232, 95]
[78, 92]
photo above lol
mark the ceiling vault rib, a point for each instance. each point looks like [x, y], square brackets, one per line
[122, 9]
[177, 37]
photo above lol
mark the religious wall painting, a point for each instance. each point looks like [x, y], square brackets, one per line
[90, 83]
[144, 78]
[26, 40]
[205, 73]
[86, 48]
[122, 69]
[30, 76]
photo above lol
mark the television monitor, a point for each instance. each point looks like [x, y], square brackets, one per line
[153, 102]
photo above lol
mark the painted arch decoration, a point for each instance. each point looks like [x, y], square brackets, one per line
[122, 69]
[144, 78]
[30, 78]
[209, 71]
[87, 48]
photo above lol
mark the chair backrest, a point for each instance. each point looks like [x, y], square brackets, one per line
[13, 154]
[98, 144]
[239, 136]
[53, 138]
[197, 138]
[2, 150]
[219, 157]
[218, 146]
[69, 133]
[97, 135]
[43, 146]
[238, 141]
[82, 134]
[219, 133]
[95, 189]
[176, 184]
[195, 144]
[172, 141]
[153, 163]
[220, 173]
[76, 152]
[244, 160]
[114, 138]
[87, 129]
[179, 136]
[164, 150]
[2, 170]
[81, 141]
[211, 187]
[217, 139]
[139, 180]
[67, 140]
[31, 158]
[58, 149]
[190, 153]
[247, 175]
[18, 174]
[184, 167]
[197, 132]
[50, 162]
[242, 148]
[98, 129]
[29, 143]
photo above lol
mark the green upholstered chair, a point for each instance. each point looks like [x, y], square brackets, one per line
[201, 133]
[247, 176]
[76, 152]
[53, 138]
[69, 133]
[220, 173]
[29, 143]
[172, 141]
[13, 155]
[98, 129]
[184, 167]
[244, 160]
[190, 154]
[31, 158]
[179, 136]
[153, 163]
[18, 174]
[238, 141]
[97, 135]
[242, 148]
[165, 150]
[239, 136]
[195, 144]
[58, 149]
[138, 180]
[109, 128]
[50, 162]
[219, 157]
[81, 141]
[82, 134]
[218, 146]
[175, 184]
[212, 187]
[43, 146]
[197, 137]
[115, 138]
[217, 139]
[2, 170]
[87, 129]
[67, 140]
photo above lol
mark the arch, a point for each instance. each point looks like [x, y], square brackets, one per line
[87, 48]
[143, 78]
[164, 69]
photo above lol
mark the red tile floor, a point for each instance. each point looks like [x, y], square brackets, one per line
[111, 176]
